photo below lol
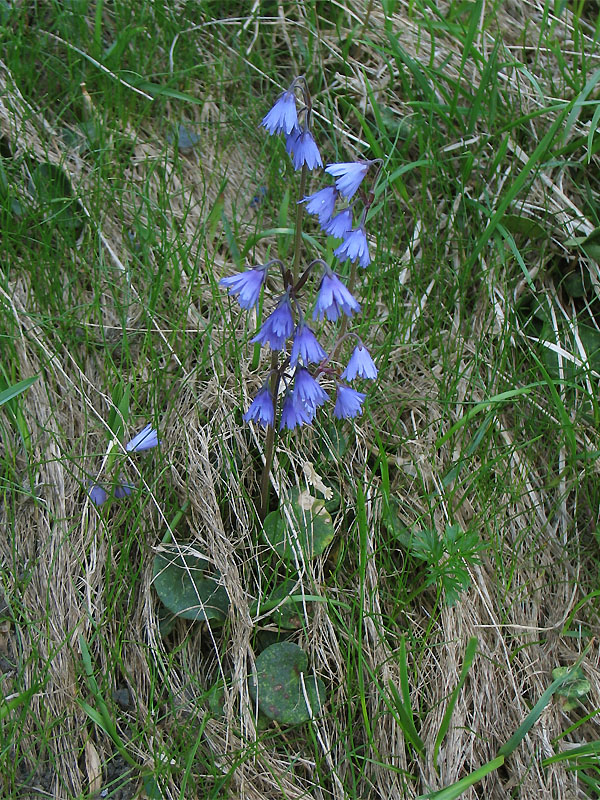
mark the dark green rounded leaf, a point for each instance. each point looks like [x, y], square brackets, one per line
[188, 588]
[311, 531]
[279, 693]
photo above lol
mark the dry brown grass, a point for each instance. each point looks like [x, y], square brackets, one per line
[66, 544]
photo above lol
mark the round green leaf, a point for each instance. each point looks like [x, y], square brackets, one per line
[187, 588]
[279, 693]
[312, 530]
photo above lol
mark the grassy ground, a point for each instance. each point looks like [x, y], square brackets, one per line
[464, 565]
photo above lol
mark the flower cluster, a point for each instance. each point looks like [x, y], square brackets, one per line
[285, 329]
[349, 176]
[146, 439]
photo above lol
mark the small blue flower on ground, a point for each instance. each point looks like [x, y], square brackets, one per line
[246, 285]
[283, 117]
[261, 409]
[278, 326]
[97, 494]
[322, 204]
[306, 347]
[348, 402]
[294, 414]
[303, 149]
[258, 197]
[360, 364]
[334, 299]
[354, 246]
[308, 391]
[123, 489]
[339, 225]
[144, 440]
[349, 175]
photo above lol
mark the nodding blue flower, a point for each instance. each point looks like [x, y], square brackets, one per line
[360, 364]
[97, 494]
[144, 440]
[334, 299]
[322, 204]
[294, 413]
[306, 347]
[303, 149]
[354, 246]
[123, 489]
[307, 391]
[246, 285]
[348, 402]
[339, 225]
[278, 326]
[262, 408]
[349, 175]
[283, 117]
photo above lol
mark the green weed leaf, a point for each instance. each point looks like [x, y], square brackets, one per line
[188, 588]
[279, 689]
[447, 557]
[305, 530]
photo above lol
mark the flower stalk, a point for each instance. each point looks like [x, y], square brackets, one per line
[302, 395]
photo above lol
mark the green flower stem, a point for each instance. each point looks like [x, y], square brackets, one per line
[270, 440]
[269, 443]
[299, 215]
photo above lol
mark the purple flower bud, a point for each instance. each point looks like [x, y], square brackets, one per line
[354, 246]
[334, 299]
[303, 149]
[246, 285]
[283, 117]
[97, 494]
[308, 391]
[278, 326]
[144, 440]
[123, 488]
[294, 414]
[349, 175]
[322, 204]
[348, 402]
[360, 364]
[339, 225]
[306, 347]
[261, 409]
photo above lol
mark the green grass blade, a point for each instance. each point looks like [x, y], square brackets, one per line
[532, 162]
[578, 104]
[570, 439]
[454, 791]
[588, 749]
[445, 724]
[503, 397]
[16, 389]
[474, 26]
[535, 713]
[361, 518]
[406, 720]
[6, 706]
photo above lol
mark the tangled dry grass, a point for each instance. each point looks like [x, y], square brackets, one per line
[63, 544]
